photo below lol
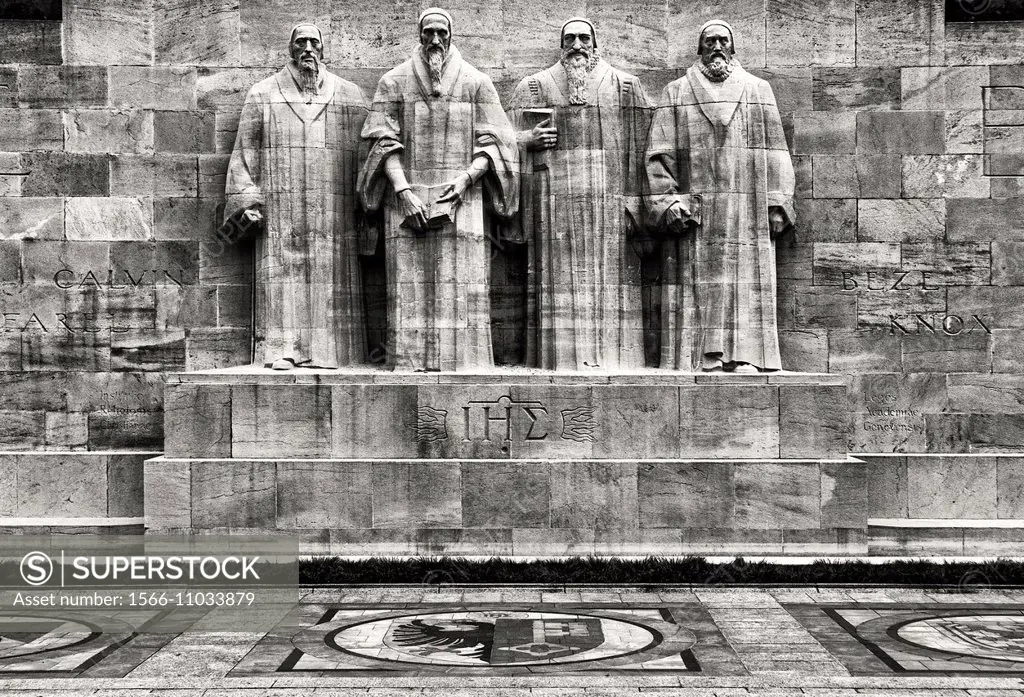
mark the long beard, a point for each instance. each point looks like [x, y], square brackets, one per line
[717, 68]
[309, 77]
[435, 64]
[577, 66]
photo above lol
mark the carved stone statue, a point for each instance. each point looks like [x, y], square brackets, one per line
[439, 140]
[582, 126]
[721, 184]
[293, 172]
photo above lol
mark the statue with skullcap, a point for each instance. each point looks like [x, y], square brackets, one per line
[442, 158]
[721, 190]
[582, 126]
[291, 180]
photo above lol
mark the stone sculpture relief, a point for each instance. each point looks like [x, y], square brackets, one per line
[721, 182]
[291, 181]
[443, 157]
[439, 141]
[582, 126]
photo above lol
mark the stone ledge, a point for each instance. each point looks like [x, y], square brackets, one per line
[317, 414]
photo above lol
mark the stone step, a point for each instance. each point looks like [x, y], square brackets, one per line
[392, 506]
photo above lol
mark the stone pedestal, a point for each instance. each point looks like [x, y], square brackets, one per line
[523, 463]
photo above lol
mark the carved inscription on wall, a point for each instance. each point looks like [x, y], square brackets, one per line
[504, 420]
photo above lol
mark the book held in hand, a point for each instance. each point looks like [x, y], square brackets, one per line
[438, 213]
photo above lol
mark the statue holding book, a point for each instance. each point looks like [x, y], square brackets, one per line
[291, 186]
[442, 156]
[582, 125]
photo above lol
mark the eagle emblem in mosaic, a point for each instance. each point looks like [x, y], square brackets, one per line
[581, 168]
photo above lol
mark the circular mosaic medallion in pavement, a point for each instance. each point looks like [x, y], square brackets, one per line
[496, 638]
[997, 637]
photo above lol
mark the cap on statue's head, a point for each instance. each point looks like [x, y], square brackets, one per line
[716, 23]
[593, 32]
[300, 25]
[436, 11]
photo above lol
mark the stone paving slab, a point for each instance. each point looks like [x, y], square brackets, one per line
[547, 641]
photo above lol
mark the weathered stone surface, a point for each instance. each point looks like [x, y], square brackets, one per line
[1009, 487]
[184, 131]
[771, 494]
[951, 487]
[220, 347]
[1000, 307]
[66, 430]
[595, 495]
[65, 174]
[234, 494]
[212, 174]
[844, 495]
[167, 486]
[148, 175]
[62, 85]
[35, 129]
[556, 541]
[101, 131]
[417, 495]
[942, 88]
[153, 87]
[905, 132]
[728, 421]
[944, 176]
[900, 220]
[983, 43]
[97, 32]
[796, 34]
[996, 219]
[642, 43]
[960, 264]
[864, 351]
[113, 431]
[147, 349]
[333, 494]
[828, 220]
[125, 494]
[62, 486]
[964, 132]
[940, 353]
[889, 410]
[886, 486]
[814, 422]
[358, 412]
[833, 260]
[286, 421]
[202, 34]
[816, 132]
[986, 394]
[225, 88]
[686, 494]
[32, 218]
[197, 421]
[879, 176]
[856, 89]
[184, 218]
[264, 27]
[102, 218]
[646, 416]
[913, 30]
[835, 176]
[40, 37]
[507, 495]
[805, 350]
[823, 307]
[1004, 139]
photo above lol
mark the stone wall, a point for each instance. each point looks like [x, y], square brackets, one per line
[905, 272]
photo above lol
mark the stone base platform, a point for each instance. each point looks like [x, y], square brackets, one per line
[521, 507]
[251, 413]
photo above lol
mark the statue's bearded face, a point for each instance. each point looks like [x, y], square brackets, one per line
[716, 51]
[307, 50]
[435, 37]
[579, 55]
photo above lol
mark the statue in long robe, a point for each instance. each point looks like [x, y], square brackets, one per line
[721, 185]
[582, 126]
[438, 138]
[293, 172]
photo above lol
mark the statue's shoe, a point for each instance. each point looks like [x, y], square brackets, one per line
[283, 364]
[746, 368]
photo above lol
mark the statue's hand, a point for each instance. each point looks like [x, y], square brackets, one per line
[544, 136]
[777, 221]
[253, 215]
[411, 206]
[678, 220]
[456, 189]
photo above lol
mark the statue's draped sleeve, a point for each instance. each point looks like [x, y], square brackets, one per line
[636, 121]
[667, 159]
[245, 168]
[781, 179]
[495, 139]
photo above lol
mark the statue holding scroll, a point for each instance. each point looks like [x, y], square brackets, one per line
[292, 176]
[582, 126]
[721, 189]
[442, 156]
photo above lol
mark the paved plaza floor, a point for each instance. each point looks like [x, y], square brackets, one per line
[532, 641]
